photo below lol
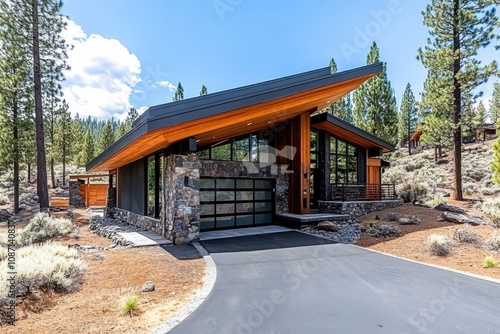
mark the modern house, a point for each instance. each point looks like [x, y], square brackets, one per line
[239, 157]
[487, 131]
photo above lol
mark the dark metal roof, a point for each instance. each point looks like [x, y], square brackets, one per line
[174, 113]
[326, 117]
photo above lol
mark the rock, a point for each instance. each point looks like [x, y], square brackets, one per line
[441, 161]
[447, 195]
[327, 226]
[148, 287]
[422, 204]
[449, 208]
[5, 215]
[460, 219]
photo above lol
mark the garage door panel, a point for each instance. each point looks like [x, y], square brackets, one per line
[236, 202]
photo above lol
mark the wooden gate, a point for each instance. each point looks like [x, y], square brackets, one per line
[94, 194]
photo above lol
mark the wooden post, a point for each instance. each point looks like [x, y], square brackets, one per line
[87, 192]
[300, 179]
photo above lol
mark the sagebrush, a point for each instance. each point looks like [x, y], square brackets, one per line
[439, 245]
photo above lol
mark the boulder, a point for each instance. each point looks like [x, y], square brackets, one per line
[460, 219]
[327, 226]
[148, 287]
[449, 208]
[4, 215]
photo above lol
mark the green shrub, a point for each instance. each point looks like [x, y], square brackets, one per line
[409, 220]
[411, 192]
[129, 303]
[488, 191]
[44, 267]
[490, 262]
[436, 201]
[491, 207]
[439, 245]
[40, 228]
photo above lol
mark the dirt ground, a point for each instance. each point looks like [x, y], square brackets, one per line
[412, 245]
[94, 308]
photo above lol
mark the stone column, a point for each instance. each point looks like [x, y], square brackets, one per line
[181, 208]
[75, 199]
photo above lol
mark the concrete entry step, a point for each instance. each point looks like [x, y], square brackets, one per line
[145, 238]
[310, 218]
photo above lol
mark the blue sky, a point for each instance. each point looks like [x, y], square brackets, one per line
[130, 52]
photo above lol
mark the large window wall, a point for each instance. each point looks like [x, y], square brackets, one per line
[253, 147]
[343, 162]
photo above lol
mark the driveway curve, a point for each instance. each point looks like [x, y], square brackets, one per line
[295, 283]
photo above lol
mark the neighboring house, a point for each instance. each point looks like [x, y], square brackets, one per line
[239, 157]
[415, 139]
[486, 131]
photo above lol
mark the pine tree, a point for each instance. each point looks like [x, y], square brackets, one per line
[203, 91]
[480, 120]
[495, 103]
[63, 139]
[343, 107]
[375, 105]
[88, 150]
[458, 30]
[468, 115]
[106, 138]
[127, 125]
[495, 165]
[179, 93]
[408, 117]
[77, 134]
[15, 95]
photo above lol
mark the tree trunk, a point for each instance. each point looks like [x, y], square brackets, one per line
[64, 163]
[29, 173]
[41, 162]
[440, 152]
[457, 106]
[16, 157]
[52, 173]
[435, 154]
[409, 136]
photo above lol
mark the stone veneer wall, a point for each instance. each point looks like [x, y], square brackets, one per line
[234, 169]
[181, 191]
[356, 209]
[144, 222]
[75, 199]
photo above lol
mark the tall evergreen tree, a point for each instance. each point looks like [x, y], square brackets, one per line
[203, 91]
[408, 116]
[127, 125]
[458, 30]
[15, 95]
[480, 119]
[375, 105]
[106, 138]
[88, 149]
[343, 107]
[77, 134]
[495, 103]
[179, 93]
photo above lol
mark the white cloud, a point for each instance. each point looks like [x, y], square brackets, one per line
[102, 75]
[142, 109]
[166, 84]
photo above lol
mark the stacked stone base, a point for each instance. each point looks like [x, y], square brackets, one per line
[349, 231]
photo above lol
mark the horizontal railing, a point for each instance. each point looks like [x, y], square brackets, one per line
[363, 192]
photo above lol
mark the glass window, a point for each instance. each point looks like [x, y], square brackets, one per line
[341, 147]
[225, 183]
[241, 150]
[333, 145]
[225, 221]
[244, 184]
[151, 186]
[207, 183]
[205, 154]
[207, 223]
[244, 220]
[266, 153]
[352, 150]
[225, 196]
[222, 152]
[263, 184]
[314, 141]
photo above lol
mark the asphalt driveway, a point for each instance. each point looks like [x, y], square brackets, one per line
[294, 283]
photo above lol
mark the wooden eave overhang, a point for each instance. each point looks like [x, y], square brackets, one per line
[215, 117]
[350, 133]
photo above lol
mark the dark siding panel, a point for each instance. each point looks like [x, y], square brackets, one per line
[361, 165]
[131, 187]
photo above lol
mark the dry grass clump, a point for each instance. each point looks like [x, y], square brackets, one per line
[491, 207]
[467, 235]
[439, 245]
[384, 231]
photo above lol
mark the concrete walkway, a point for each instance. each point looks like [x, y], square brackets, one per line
[290, 282]
[145, 238]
